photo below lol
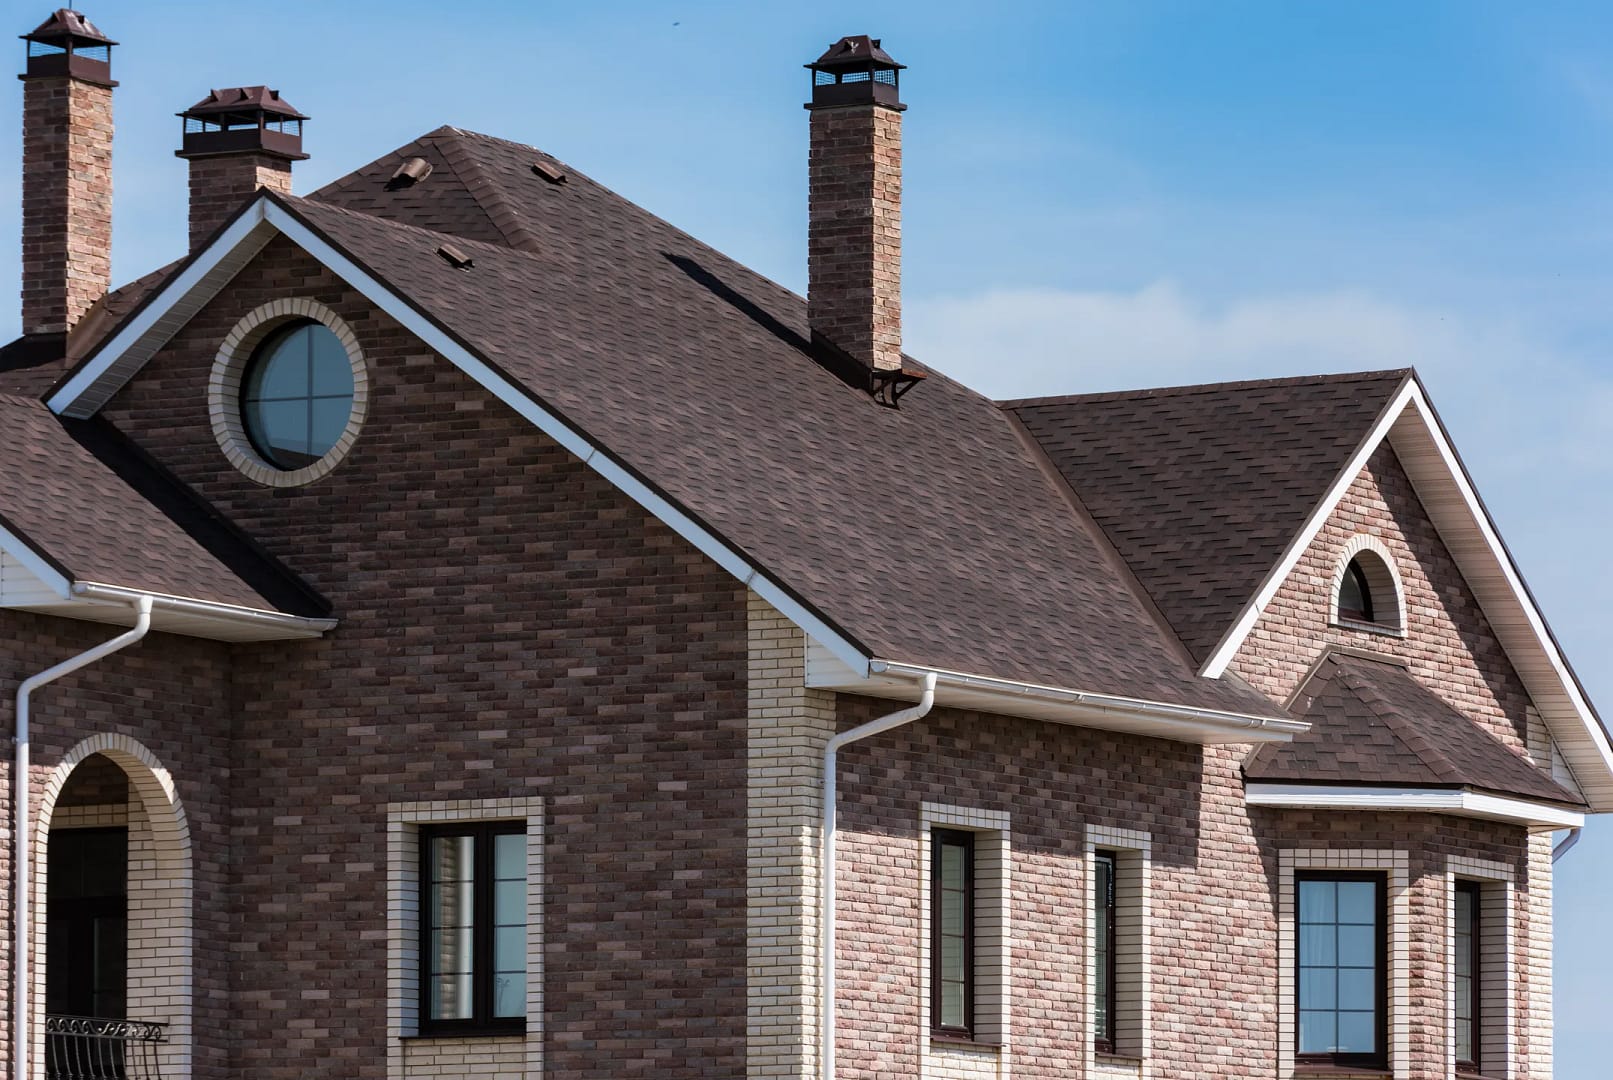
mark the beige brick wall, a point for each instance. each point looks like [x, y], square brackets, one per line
[788, 728]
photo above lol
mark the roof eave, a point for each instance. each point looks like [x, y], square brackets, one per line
[1538, 815]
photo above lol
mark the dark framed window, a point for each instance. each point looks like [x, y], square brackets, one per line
[1467, 974]
[952, 932]
[297, 395]
[1355, 595]
[473, 885]
[1341, 951]
[1103, 950]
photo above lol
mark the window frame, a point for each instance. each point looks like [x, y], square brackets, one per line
[481, 1021]
[1475, 1065]
[940, 836]
[1378, 1058]
[1103, 1040]
[262, 354]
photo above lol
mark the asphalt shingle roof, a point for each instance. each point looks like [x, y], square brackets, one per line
[1201, 488]
[928, 534]
[102, 512]
[1372, 722]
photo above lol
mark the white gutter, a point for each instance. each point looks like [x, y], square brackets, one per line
[21, 845]
[1159, 713]
[182, 605]
[826, 864]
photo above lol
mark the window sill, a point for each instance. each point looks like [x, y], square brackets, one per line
[962, 1040]
[480, 1033]
[1319, 1069]
[1380, 629]
[1103, 1058]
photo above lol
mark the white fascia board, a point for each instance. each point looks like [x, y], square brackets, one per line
[1537, 623]
[1454, 801]
[143, 335]
[36, 564]
[1233, 639]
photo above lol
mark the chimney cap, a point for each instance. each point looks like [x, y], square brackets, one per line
[66, 26]
[247, 100]
[855, 50]
[242, 120]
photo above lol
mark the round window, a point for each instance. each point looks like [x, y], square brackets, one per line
[297, 396]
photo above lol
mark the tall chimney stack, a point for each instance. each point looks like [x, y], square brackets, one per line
[854, 205]
[66, 172]
[237, 141]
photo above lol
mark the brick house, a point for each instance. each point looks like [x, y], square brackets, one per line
[436, 610]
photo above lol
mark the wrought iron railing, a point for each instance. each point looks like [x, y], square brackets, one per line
[86, 1048]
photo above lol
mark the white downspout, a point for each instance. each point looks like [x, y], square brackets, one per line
[1565, 844]
[20, 839]
[826, 864]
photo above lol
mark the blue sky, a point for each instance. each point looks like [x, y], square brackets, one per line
[1097, 196]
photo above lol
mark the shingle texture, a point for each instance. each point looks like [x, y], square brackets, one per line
[1201, 488]
[80, 495]
[1373, 723]
[929, 534]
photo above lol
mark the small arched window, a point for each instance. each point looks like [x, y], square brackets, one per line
[1355, 594]
[1367, 592]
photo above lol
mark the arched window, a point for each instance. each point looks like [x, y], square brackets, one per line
[1366, 590]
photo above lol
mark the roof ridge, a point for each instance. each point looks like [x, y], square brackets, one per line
[486, 192]
[1189, 389]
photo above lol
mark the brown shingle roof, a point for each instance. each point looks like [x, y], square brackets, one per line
[101, 511]
[928, 535]
[1373, 723]
[1201, 488]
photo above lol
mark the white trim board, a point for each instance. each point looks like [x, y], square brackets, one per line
[1453, 801]
[1446, 492]
[214, 266]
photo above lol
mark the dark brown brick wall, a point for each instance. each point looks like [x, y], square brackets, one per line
[66, 200]
[511, 625]
[171, 694]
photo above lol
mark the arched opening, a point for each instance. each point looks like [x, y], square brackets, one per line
[112, 915]
[1366, 589]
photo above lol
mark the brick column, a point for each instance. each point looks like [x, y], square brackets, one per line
[220, 185]
[66, 199]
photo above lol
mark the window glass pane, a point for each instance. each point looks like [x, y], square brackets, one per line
[282, 371]
[1358, 902]
[333, 372]
[953, 864]
[509, 994]
[1317, 901]
[509, 903]
[1318, 988]
[952, 1004]
[1317, 946]
[1358, 946]
[1358, 988]
[279, 428]
[329, 420]
[1316, 1032]
[509, 856]
[1358, 1032]
[451, 997]
[509, 948]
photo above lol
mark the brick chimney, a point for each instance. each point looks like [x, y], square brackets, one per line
[237, 141]
[66, 172]
[854, 205]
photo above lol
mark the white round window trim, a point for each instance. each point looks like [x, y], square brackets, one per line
[224, 391]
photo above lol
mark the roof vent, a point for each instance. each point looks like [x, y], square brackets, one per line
[410, 173]
[455, 258]
[548, 172]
